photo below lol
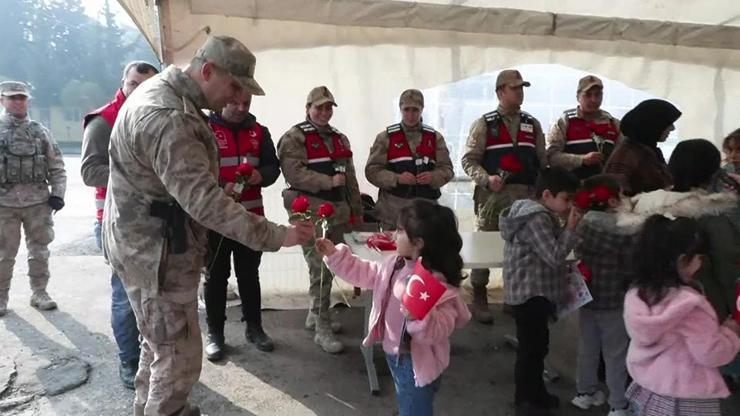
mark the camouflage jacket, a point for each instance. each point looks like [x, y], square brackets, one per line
[475, 146]
[162, 149]
[294, 163]
[30, 163]
[378, 173]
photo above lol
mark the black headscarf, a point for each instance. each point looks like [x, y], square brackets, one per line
[648, 120]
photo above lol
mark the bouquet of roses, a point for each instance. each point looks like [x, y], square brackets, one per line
[300, 210]
[508, 165]
[243, 173]
[596, 198]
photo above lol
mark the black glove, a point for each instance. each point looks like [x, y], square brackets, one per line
[56, 203]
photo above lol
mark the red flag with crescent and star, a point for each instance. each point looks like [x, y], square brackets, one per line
[423, 290]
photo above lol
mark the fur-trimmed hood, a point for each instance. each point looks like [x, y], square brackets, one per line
[694, 204]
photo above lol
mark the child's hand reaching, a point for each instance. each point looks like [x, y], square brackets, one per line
[405, 312]
[733, 325]
[325, 247]
[573, 218]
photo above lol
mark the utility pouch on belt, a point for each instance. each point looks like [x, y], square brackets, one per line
[174, 230]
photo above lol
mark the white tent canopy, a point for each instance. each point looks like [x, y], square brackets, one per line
[368, 51]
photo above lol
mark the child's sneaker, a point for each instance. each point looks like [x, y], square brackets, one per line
[585, 400]
[621, 412]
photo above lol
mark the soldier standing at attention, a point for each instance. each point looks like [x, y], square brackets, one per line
[408, 160]
[94, 168]
[163, 194]
[507, 132]
[584, 137]
[30, 164]
[317, 162]
[241, 141]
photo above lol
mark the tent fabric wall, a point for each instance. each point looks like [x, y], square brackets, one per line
[367, 52]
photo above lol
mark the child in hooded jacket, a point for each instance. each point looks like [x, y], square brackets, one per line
[418, 355]
[535, 248]
[677, 342]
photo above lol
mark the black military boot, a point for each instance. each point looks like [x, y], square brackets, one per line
[256, 335]
[127, 372]
[215, 346]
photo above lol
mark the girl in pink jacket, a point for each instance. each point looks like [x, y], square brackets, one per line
[418, 355]
[677, 344]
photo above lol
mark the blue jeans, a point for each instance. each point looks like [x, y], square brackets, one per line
[122, 318]
[412, 400]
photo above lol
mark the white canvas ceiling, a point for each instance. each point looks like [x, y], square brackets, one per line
[367, 51]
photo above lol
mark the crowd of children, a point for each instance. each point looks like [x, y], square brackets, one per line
[661, 268]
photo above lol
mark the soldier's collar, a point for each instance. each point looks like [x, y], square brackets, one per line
[320, 129]
[406, 127]
[185, 86]
[508, 113]
[592, 116]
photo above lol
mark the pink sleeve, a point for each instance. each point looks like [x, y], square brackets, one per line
[437, 326]
[710, 344]
[352, 269]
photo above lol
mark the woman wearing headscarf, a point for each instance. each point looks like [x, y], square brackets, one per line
[637, 160]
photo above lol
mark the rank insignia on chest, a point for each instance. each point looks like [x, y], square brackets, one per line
[398, 145]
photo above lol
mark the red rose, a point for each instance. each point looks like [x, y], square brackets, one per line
[585, 271]
[510, 163]
[300, 205]
[245, 170]
[582, 199]
[602, 193]
[326, 210]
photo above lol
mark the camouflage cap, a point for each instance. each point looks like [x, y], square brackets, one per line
[320, 95]
[231, 55]
[588, 82]
[411, 98]
[510, 77]
[10, 88]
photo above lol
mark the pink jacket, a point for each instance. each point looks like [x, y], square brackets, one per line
[677, 345]
[430, 345]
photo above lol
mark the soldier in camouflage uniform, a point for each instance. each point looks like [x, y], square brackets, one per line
[506, 131]
[163, 194]
[317, 162]
[408, 160]
[584, 137]
[30, 164]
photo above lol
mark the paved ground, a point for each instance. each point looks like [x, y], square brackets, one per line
[64, 362]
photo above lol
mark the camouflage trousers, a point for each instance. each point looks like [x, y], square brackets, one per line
[321, 291]
[505, 197]
[171, 349]
[38, 227]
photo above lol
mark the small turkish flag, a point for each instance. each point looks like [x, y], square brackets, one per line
[423, 290]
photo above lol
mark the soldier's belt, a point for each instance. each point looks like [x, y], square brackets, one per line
[174, 229]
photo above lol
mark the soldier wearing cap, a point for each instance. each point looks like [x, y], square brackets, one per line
[163, 194]
[408, 160]
[584, 137]
[32, 186]
[316, 161]
[508, 135]
[98, 126]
